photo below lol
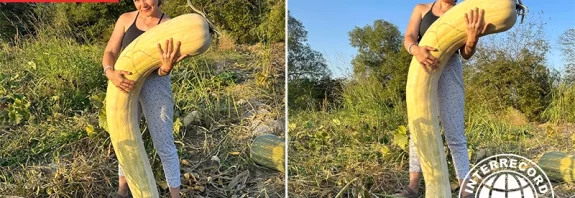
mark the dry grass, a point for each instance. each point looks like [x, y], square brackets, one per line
[514, 117]
[226, 42]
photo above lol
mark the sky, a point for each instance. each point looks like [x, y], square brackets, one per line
[328, 24]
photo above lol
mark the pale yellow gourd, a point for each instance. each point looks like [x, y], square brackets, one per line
[447, 34]
[141, 58]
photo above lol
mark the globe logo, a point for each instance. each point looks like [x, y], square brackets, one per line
[507, 176]
[506, 184]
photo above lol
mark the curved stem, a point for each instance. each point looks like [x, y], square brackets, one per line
[521, 10]
[212, 27]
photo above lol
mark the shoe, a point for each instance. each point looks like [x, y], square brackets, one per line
[407, 192]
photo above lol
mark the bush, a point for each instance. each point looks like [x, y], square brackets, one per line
[247, 22]
[307, 94]
[91, 22]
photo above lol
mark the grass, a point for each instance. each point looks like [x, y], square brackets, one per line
[361, 149]
[54, 145]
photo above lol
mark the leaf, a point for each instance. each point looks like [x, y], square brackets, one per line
[188, 176]
[90, 130]
[384, 150]
[291, 126]
[185, 163]
[200, 188]
[336, 122]
[97, 101]
[400, 140]
[163, 184]
[14, 118]
[308, 125]
[234, 153]
[177, 125]
[17, 103]
[102, 120]
[402, 130]
[32, 64]
[550, 130]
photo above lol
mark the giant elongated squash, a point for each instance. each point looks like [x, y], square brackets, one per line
[447, 34]
[141, 57]
[559, 166]
[268, 150]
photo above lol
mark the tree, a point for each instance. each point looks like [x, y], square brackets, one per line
[567, 43]
[273, 25]
[309, 78]
[509, 70]
[381, 56]
[375, 44]
[245, 21]
[303, 62]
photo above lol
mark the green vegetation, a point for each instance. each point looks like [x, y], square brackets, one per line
[245, 22]
[350, 138]
[52, 92]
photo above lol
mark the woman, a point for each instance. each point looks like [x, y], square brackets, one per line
[450, 87]
[156, 100]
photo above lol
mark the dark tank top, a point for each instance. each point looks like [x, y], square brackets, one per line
[133, 32]
[426, 22]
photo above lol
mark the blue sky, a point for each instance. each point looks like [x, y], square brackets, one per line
[328, 24]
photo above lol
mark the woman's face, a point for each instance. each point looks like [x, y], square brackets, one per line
[146, 7]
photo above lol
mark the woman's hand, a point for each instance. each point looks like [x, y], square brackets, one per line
[425, 58]
[475, 25]
[168, 57]
[118, 79]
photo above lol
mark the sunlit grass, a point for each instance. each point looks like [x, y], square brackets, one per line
[361, 149]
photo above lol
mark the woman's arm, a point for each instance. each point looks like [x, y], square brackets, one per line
[421, 53]
[411, 33]
[114, 44]
[169, 54]
[475, 28]
[111, 54]
[468, 50]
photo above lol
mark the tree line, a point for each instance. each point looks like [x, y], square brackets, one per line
[508, 70]
[246, 22]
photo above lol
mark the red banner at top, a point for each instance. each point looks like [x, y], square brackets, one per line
[60, 1]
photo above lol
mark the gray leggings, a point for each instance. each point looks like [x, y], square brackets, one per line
[157, 105]
[451, 105]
